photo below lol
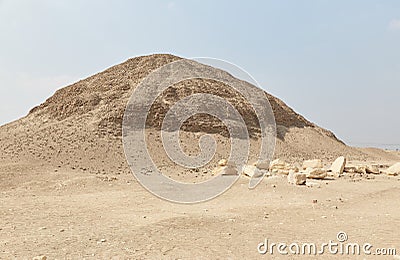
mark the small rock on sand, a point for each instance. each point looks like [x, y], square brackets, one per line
[296, 178]
[251, 170]
[262, 165]
[42, 257]
[225, 170]
[222, 162]
[313, 184]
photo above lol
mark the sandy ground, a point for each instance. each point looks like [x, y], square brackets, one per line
[70, 214]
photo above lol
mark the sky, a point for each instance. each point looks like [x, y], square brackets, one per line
[335, 62]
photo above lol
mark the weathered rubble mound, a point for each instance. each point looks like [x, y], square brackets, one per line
[80, 125]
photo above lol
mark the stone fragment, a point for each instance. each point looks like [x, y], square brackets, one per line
[362, 169]
[393, 170]
[225, 168]
[251, 170]
[372, 168]
[356, 169]
[222, 162]
[277, 164]
[337, 166]
[349, 169]
[41, 257]
[313, 184]
[316, 163]
[296, 178]
[317, 174]
[262, 165]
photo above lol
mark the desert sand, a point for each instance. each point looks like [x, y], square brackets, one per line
[68, 193]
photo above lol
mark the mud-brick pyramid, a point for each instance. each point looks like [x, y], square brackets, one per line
[80, 125]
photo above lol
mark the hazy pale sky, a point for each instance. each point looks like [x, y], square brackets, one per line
[335, 62]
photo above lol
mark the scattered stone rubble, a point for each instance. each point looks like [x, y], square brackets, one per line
[279, 166]
[310, 169]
